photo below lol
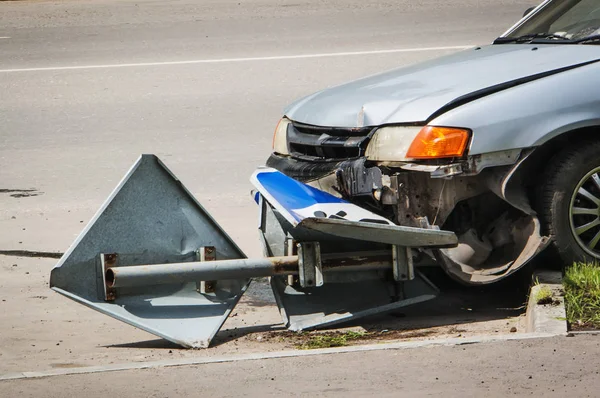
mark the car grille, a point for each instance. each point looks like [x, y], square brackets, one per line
[327, 143]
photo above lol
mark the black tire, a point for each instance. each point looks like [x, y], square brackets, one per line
[562, 177]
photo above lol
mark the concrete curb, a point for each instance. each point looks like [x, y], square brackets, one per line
[272, 355]
[547, 318]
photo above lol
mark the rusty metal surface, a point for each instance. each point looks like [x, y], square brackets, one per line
[151, 218]
[310, 271]
[206, 253]
[108, 261]
[403, 263]
[177, 273]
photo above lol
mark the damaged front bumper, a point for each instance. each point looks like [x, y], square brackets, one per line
[481, 199]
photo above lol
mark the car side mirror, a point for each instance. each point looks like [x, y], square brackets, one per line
[528, 11]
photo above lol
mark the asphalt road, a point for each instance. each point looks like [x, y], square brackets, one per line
[557, 367]
[71, 134]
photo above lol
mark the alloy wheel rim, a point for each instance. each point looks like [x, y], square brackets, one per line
[584, 213]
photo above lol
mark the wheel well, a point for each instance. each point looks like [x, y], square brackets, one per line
[533, 167]
[556, 144]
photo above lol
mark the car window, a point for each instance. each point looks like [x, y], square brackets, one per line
[583, 15]
[570, 19]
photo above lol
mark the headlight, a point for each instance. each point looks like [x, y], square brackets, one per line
[403, 143]
[391, 143]
[280, 137]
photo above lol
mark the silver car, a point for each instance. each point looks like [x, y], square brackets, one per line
[499, 144]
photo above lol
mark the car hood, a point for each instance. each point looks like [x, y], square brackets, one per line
[418, 92]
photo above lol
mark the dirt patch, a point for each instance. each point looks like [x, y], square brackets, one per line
[576, 327]
[356, 336]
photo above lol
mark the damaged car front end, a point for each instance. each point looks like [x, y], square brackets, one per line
[470, 143]
[472, 196]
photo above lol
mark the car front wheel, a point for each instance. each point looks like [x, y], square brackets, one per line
[570, 203]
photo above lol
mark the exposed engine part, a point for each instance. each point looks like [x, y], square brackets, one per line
[421, 196]
[355, 179]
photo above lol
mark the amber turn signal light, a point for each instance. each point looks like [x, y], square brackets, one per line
[438, 142]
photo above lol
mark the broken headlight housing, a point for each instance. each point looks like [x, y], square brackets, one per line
[405, 143]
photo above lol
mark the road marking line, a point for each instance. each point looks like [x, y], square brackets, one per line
[4, 37]
[225, 60]
[274, 355]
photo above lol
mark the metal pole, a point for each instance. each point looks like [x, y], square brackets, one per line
[159, 274]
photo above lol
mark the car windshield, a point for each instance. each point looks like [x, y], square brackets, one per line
[565, 22]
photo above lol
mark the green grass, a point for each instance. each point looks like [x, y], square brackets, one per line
[582, 295]
[330, 340]
[543, 295]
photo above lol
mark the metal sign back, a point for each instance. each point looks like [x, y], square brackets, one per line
[151, 218]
